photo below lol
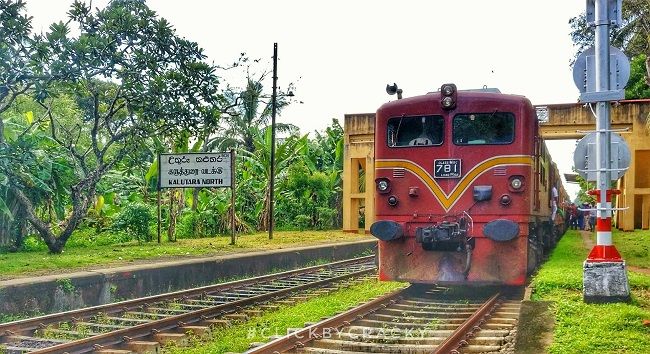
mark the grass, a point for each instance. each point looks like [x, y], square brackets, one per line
[593, 328]
[77, 258]
[634, 247]
[237, 338]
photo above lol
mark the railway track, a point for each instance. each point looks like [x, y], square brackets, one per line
[437, 320]
[142, 325]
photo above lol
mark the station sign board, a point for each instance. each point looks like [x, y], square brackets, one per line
[195, 170]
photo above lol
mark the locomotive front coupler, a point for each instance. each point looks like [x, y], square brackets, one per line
[447, 235]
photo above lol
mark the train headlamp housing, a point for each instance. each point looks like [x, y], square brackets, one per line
[447, 102]
[383, 185]
[516, 183]
[448, 96]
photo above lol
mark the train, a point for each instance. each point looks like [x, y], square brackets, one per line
[465, 189]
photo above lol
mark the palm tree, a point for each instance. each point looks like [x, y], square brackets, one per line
[251, 112]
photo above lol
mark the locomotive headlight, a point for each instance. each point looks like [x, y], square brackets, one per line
[392, 200]
[448, 89]
[383, 185]
[447, 102]
[448, 95]
[516, 183]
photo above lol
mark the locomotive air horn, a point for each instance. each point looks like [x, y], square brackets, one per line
[392, 89]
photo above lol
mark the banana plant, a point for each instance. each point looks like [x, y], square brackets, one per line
[258, 163]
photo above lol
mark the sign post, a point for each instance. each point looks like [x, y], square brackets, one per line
[198, 170]
[604, 273]
[232, 198]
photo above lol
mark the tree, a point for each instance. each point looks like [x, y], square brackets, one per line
[637, 86]
[633, 36]
[258, 165]
[30, 153]
[250, 111]
[132, 78]
[326, 156]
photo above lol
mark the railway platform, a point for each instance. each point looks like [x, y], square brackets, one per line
[62, 292]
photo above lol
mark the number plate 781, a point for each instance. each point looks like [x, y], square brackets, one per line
[446, 168]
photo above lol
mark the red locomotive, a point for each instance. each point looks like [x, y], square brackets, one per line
[464, 189]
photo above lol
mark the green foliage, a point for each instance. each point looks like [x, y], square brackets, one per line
[135, 218]
[65, 284]
[79, 135]
[33, 243]
[306, 194]
[168, 88]
[585, 186]
[210, 217]
[632, 36]
[250, 111]
[637, 87]
[4, 318]
[302, 221]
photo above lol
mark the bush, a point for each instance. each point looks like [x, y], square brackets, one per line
[135, 218]
[198, 224]
[89, 237]
[302, 221]
[325, 218]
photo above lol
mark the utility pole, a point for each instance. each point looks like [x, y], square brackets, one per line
[273, 110]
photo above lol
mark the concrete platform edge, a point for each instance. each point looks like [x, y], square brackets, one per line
[61, 292]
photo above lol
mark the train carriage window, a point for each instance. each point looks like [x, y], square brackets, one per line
[496, 128]
[415, 131]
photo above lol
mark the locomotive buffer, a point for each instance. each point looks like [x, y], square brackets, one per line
[600, 73]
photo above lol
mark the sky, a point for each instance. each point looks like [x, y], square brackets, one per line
[341, 54]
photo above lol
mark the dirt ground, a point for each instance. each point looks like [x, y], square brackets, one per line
[535, 328]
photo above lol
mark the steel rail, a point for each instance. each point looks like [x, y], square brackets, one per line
[118, 337]
[35, 323]
[299, 338]
[454, 340]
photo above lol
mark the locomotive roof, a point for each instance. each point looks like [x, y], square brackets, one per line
[462, 95]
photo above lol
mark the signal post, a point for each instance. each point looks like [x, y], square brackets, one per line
[601, 79]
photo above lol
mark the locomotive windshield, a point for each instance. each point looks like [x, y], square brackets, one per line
[494, 128]
[415, 131]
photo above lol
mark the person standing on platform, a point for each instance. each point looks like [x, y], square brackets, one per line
[554, 197]
[592, 217]
[581, 217]
[573, 216]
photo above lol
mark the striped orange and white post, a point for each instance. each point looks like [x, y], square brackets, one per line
[604, 251]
